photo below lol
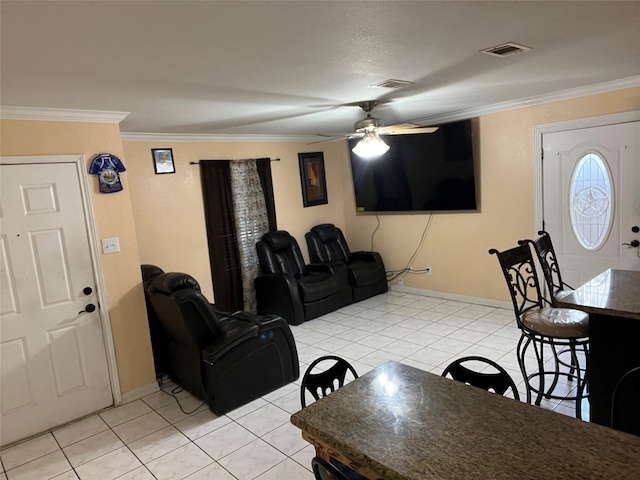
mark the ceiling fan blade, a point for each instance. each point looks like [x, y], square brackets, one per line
[332, 139]
[406, 128]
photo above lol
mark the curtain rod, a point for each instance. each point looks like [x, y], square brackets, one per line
[272, 159]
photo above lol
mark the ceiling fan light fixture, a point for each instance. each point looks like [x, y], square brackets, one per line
[370, 146]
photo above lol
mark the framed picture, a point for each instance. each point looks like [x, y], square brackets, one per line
[163, 160]
[314, 184]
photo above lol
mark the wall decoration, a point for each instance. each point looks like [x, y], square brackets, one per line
[108, 168]
[312, 178]
[163, 160]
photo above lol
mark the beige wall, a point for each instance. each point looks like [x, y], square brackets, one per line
[159, 218]
[457, 245]
[114, 218]
[168, 208]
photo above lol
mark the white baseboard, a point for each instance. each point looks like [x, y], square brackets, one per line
[453, 296]
[139, 392]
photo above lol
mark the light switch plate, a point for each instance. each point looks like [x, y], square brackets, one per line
[110, 245]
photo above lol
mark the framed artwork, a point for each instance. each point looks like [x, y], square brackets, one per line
[163, 160]
[312, 178]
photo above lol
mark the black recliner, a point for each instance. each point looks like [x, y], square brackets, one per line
[366, 273]
[226, 361]
[289, 288]
[158, 337]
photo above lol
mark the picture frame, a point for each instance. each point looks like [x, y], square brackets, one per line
[313, 179]
[163, 160]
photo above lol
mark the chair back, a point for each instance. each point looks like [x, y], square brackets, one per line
[625, 403]
[498, 381]
[323, 470]
[549, 264]
[327, 244]
[279, 253]
[520, 274]
[183, 311]
[326, 381]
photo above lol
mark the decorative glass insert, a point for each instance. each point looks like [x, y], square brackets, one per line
[591, 201]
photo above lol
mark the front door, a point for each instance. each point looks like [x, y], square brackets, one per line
[53, 360]
[591, 198]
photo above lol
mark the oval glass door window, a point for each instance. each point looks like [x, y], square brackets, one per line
[591, 201]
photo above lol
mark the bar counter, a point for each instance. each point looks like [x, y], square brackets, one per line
[401, 423]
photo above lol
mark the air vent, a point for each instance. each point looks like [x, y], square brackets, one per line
[505, 49]
[392, 84]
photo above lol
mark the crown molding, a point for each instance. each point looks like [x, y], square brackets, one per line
[621, 84]
[193, 137]
[61, 115]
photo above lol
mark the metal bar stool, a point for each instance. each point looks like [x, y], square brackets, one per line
[557, 329]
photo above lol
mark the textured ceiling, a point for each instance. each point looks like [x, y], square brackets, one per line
[292, 68]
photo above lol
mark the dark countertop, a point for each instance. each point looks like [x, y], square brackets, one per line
[614, 292]
[405, 423]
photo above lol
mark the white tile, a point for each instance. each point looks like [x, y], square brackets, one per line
[140, 427]
[157, 444]
[378, 357]
[369, 314]
[27, 451]
[174, 412]
[225, 440]
[287, 438]
[466, 335]
[304, 456]
[44, 467]
[263, 457]
[372, 326]
[211, 472]
[162, 398]
[355, 351]
[246, 409]
[430, 316]
[394, 331]
[439, 329]
[290, 403]
[140, 473]
[408, 311]
[431, 356]
[90, 448]
[124, 413]
[79, 430]
[201, 423]
[402, 348]
[109, 466]
[450, 345]
[483, 326]
[69, 475]
[264, 419]
[281, 392]
[375, 341]
[179, 463]
[287, 470]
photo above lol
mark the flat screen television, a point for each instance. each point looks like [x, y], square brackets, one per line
[420, 172]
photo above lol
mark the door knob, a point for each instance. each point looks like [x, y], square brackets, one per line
[87, 290]
[89, 308]
[633, 243]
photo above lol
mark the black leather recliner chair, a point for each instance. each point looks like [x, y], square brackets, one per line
[366, 276]
[158, 337]
[289, 288]
[228, 360]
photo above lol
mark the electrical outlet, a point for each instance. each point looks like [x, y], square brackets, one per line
[401, 281]
[428, 270]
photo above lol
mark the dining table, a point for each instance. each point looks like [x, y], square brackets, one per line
[399, 422]
[612, 300]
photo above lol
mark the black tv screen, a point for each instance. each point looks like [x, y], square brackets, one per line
[419, 172]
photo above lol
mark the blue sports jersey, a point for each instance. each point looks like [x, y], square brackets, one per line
[107, 167]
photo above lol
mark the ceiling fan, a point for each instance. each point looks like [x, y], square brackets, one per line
[370, 128]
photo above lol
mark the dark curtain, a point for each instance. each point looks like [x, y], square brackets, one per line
[221, 233]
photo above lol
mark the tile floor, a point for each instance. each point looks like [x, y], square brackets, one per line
[152, 438]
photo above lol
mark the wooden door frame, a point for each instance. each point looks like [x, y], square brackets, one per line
[96, 264]
[538, 133]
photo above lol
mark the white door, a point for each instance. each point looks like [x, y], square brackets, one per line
[591, 198]
[53, 360]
